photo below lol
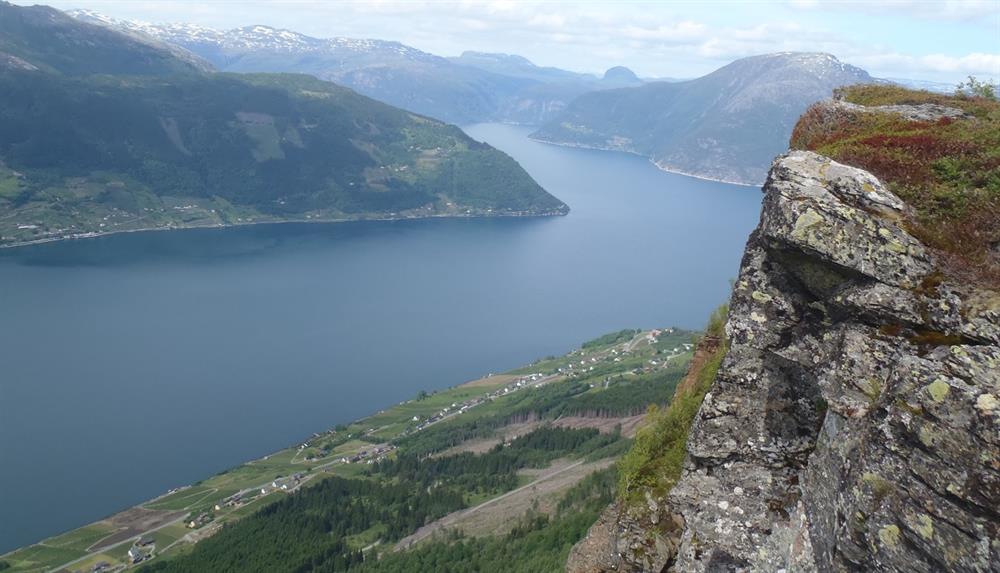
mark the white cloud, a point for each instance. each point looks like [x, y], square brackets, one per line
[927, 9]
[679, 39]
[683, 31]
[985, 66]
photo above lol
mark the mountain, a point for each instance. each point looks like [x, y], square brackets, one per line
[939, 87]
[102, 133]
[53, 42]
[517, 66]
[727, 125]
[472, 88]
[843, 416]
[621, 75]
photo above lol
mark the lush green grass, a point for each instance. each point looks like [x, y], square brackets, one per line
[366, 538]
[181, 499]
[82, 538]
[611, 338]
[601, 346]
[425, 406]
[10, 186]
[169, 534]
[947, 170]
[39, 558]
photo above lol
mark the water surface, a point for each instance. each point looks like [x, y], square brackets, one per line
[134, 363]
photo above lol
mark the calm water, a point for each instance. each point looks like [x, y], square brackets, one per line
[135, 363]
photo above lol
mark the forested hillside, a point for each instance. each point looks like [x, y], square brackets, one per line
[85, 149]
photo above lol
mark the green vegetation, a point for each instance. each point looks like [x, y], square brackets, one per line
[82, 538]
[110, 153]
[540, 543]
[541, 402]
[496, 470]
[626, 399]
[947, 170]
[367, 506]
[976, 88]
[655, 460]
[611, 338]
[102, 133]
[306, 532]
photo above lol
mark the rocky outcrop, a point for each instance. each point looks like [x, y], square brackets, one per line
[853, 425]
[915, 112]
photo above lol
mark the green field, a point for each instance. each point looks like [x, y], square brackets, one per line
[619, 360]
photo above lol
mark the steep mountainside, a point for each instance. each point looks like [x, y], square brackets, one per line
[52, 41]
[853, 424]
[727, 125]
[82, 154]
[474, 87]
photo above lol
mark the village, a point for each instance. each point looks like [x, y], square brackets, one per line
[185, 515]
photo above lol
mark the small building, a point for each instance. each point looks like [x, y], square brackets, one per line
[137, 554]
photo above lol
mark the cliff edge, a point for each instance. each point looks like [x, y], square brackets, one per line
[853, 424]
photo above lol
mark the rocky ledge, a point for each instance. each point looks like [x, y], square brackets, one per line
[854, 422]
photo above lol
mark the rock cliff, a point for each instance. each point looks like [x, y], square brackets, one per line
[853, 425]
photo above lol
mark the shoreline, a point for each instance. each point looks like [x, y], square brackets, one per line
[665, 168]
[288, 462]
[260, 458]
[95, 234]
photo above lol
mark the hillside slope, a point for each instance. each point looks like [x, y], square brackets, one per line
[727, 125]
[101, 133]
[853, 422]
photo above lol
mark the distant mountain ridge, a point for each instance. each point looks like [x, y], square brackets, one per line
[473, 87]
[727, 125]
[102, 132]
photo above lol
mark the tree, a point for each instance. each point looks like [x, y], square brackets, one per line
[976, 88]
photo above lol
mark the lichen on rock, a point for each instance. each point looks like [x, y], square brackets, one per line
[853, 424]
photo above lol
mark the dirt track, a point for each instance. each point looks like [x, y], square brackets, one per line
[491, 517]
[133, 522]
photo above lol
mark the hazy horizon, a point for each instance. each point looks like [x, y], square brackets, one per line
[654, 39]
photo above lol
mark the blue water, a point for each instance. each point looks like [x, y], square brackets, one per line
[131, 364]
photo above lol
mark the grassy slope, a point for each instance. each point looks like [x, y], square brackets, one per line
[947, 170]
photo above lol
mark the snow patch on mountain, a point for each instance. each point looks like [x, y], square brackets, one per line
[256, 38]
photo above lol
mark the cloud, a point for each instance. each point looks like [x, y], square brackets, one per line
[986, 66]
[679, 32]
[679, 39]
[969, 10]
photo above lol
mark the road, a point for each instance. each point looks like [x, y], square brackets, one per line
[433, 527]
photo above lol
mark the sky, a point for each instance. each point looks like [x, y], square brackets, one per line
[942, 41]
